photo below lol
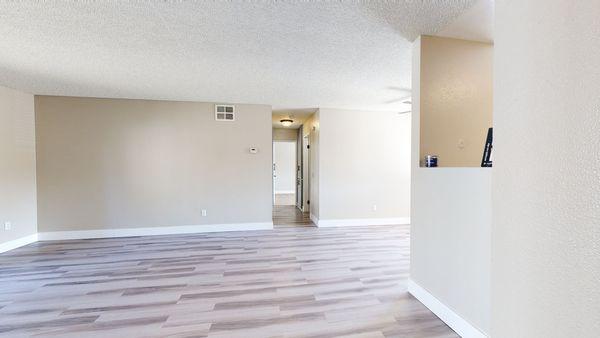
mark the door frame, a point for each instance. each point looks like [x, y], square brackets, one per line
[305, 173]
[299, 195]
[273, 166]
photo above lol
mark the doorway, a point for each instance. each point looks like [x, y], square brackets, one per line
[291, 184]
[284, 173]
[304, 185]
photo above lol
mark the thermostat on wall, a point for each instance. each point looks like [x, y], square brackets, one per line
[253, 150]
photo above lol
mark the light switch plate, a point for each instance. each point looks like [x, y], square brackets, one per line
[7, 226]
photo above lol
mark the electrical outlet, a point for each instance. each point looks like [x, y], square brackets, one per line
[374, 207]
[7, 226]
[203, 212]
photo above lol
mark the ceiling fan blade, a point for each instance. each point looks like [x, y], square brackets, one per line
[393, 101]
[402, 99]
[400, 89]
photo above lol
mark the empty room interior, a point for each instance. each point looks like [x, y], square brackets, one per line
[358, 169]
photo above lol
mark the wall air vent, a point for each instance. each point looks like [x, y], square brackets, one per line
[224, 112]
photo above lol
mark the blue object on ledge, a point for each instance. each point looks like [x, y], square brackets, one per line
[431, 161]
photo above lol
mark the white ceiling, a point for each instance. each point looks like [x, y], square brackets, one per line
[476, 23]
[288, 54]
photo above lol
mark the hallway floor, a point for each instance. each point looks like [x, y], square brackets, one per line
[286, 216]
[294, 282]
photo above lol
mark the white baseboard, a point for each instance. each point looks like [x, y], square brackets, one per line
[461, 326]
[314, 219]
[277, 192]
[151, 231]
[324, 223]
[19, 242]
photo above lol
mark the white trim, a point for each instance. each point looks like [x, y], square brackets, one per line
[285, 192]
[460, 325]
[324, 223]
[152, 231]
[17, 243]
[314, 219]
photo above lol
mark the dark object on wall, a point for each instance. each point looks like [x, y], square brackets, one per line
[431, 161]
[486, 160]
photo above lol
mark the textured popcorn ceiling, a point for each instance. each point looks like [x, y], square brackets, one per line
[476, 23]
[289, 54]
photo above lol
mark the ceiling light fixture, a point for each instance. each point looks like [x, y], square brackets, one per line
[286, 122]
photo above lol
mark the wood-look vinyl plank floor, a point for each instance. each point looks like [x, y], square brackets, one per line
[288, 282]
[289, 216]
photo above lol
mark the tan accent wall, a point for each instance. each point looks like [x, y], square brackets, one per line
[116, 163]
[17, 165]
[456, 100]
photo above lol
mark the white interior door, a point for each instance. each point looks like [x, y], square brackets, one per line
[284, 170]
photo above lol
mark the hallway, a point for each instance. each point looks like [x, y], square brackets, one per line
[289, 216]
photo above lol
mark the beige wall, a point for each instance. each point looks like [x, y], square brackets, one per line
[280, 134]
[310, 124]
[17, 165]
[456, 101]
[114, 163]
[546, 186]
[364, 161]
[450, 227]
